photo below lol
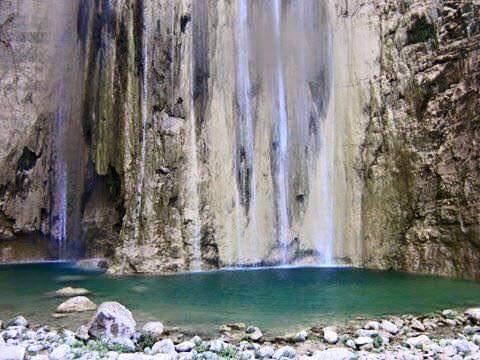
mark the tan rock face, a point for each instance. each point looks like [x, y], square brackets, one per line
[421, 155]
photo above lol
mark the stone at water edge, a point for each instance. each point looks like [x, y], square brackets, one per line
[330, 335]
[112, 320]
[237, 326]
[70, 292]
[301, 336]
[153, 328]
[76, 304]
[18, 321]
[12, 352]
[254, 333]
[333, 354]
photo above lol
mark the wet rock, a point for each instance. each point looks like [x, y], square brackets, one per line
[185, 346]
[153, 328]
[70, 292]
[112, 320]
[18, 321]
[389, 326]
[418, 341]
[333, 354]
[60, 353]
[12, 352]
[300, 336]
[76, 304]
[254, 333]
[165, 346]
[330, 335]
[284, 352]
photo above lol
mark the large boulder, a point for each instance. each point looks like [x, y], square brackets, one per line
[76, 304]
[12, 352]
[112, 320]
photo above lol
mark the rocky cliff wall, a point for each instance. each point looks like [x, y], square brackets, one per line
[178, 126]
[421, 153]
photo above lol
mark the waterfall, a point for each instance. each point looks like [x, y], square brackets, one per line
[59, 201]
[198, 89]
[245, 152]
[281, 146]
[68, 144]
[144, 119]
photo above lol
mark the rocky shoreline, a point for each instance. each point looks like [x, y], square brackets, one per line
[112, 334]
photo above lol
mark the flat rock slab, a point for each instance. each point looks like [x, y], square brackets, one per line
[71, 292]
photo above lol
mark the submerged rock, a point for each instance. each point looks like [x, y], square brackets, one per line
[70, 292]
[112, 320]
[76, 304]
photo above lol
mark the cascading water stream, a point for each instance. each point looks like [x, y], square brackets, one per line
[281, 151]
[144, 119]
[244, 165]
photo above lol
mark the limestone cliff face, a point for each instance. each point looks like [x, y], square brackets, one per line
[421, 153]
[200, 134]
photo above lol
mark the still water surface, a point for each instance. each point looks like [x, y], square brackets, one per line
[274, 299]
